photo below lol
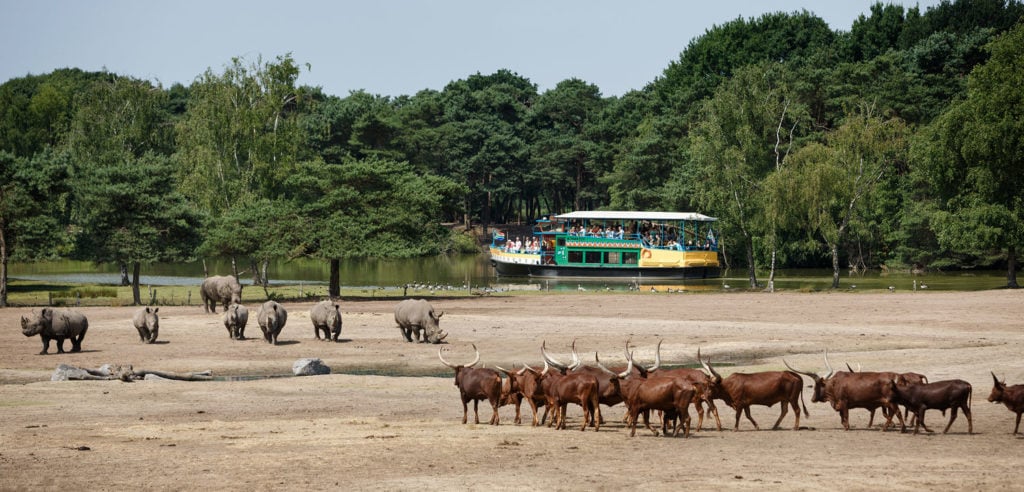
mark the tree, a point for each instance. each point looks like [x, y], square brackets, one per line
[745, 133]
[32, 197]
[834, 179]
[127, 208]
[239, 140]
[368, 208]
[973, 156]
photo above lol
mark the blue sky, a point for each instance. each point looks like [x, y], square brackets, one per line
[388, 47]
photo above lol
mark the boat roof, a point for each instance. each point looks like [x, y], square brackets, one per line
[634, 215]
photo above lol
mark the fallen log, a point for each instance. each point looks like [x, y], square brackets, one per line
[125, 373]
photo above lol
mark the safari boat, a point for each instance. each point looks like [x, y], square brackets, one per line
[612, 244]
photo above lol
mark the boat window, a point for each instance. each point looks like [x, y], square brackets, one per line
[612, 257]
[575, 256]
[593, 257]
[629, 258]
[561, 241]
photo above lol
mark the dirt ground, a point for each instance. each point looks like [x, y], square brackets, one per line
[402, 432]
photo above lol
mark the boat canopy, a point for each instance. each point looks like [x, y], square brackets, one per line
[632, 215]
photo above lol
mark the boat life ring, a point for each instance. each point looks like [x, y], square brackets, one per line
[646, 254]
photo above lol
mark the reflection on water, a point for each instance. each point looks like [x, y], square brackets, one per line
[476, 271]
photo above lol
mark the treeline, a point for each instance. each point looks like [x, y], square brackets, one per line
[897, 143]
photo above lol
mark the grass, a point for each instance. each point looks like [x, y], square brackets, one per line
[36, 293]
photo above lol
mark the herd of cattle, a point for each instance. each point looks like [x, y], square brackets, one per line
[672, 391]
[641, 389]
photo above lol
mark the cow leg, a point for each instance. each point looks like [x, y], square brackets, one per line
[747, 411]
[465, 410]
[495, 419]
[586, 415]
[533, 408]
[714, 411]
[970, 421]
[918, 417]
[1016, 426]
[782, 415]
[519, 418]
[952, 417]
[647, 422]
[871, 417]
[700, 415]
[844, 417]
[736, 427]
[632, 421]
[596, 408]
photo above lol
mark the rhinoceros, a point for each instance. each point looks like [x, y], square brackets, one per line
[272, 317]
[148, 323]
[326, 316]
[224, 289]
[56, 324]
[417, 316]
[236, 316]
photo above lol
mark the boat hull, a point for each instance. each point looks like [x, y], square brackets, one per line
[556, 271]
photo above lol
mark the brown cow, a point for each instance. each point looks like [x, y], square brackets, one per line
[740, 391]
[668, 394]
[1011, 396]
[475, 385]
[562, 388]
[954, 394]
[608, 394]
[696, 377]
[903, 378]
[510, 396]
[846, 390]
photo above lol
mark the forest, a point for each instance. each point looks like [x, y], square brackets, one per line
[896, 144]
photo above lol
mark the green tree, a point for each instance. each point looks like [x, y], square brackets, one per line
[372, 208]
[127, 208]
[239, 139]
[745, 133]
[973, 154]
[565, 158]
[33, 196]
[833, 180]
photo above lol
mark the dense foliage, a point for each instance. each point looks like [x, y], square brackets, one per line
[895, 144]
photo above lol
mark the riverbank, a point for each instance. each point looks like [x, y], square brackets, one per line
[385, 430]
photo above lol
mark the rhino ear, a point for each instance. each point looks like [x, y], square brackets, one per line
[155, 310]
[439, 316]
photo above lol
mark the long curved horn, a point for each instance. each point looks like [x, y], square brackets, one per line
[626, 351]
[805, 373]
[620, 375]
[477, 359]
[576, 362]
[829, 366]
[527, 368]
[449, 364]
[547, 368]
[714, 373]
[702, 364]
[547, 358]
[994, 378]
[657, 358]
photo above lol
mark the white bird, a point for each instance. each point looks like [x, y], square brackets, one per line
[892, 288]
[580, 288]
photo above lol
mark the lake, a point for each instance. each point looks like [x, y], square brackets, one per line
[476, 271]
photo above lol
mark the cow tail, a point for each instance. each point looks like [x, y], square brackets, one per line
[802, 402]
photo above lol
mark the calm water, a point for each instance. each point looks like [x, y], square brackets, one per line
[475, 270]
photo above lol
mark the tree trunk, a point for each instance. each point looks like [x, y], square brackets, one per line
[264, 281]
[751, 270]
[771, 272]
[256, 280]
[3, 264]
[136, 298]
[334, 284]
[124, 275]
[834, 248]
[234, 267]
[1011, 267]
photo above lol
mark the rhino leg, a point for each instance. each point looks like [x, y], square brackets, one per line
[60, 345]
[153, 334]
[46, 345]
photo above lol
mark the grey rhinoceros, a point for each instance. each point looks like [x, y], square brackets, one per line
[272, 317]
[224, 289]
[326, 316]
[147, 322]
[236, 316]
[56, 324]
[417, 316]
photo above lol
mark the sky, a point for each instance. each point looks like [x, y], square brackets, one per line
[385, 47]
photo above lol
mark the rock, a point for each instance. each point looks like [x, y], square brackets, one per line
[310, 367]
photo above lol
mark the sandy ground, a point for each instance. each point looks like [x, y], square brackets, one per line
[403, 431]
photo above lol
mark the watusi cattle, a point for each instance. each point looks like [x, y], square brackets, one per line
[1011, 396]
[953, 394]
[740, 391]
[474, 385]
[846, 390]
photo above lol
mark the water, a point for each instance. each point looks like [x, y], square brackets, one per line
[475, 270]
